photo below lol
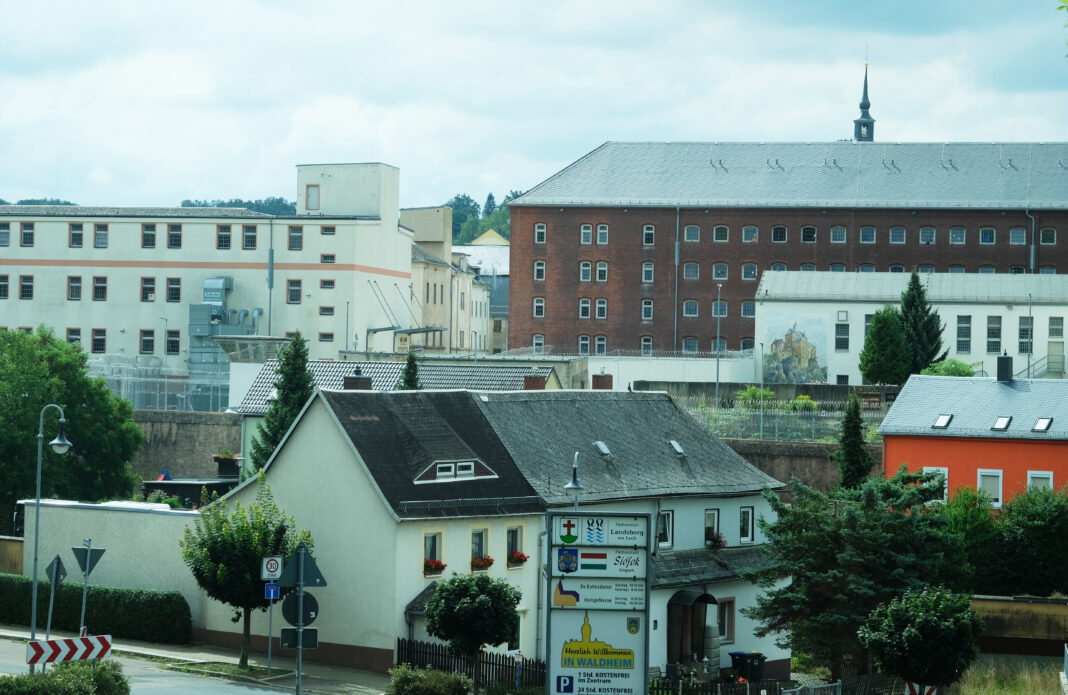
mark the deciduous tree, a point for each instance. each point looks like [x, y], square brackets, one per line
[885, 358]
[1033, 544]
[463, 206]
[854, 461]
[293, 387]
[921, 326]
[949, 367]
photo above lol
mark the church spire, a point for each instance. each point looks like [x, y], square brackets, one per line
[864, 127]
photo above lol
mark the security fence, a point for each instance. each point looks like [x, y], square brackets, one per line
[796, 420]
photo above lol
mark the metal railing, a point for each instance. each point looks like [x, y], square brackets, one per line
[780, 420]
[826, 689]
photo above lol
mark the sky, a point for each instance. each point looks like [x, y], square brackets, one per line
[144, 102]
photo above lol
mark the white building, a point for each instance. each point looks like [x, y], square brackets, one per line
[812, 324]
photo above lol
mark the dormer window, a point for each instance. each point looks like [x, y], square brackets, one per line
[942, 422]
[445, 470]
[465, 469]
[1002, 423]
[1042, 425]
[454, 471]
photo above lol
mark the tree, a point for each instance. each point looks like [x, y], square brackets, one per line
[885, 358]
[1033, 543]
[973, 542]
[270, 206]
[490, 205]
[224, 552]
[513, 194]
[37, 369]
[44, 201]
[409, 380]
[294, 386]
[854, 461]
[463, 206]
[470, 229]
[4, 202]
[926, 636]
[921, 325]
[949, 367]
[835, 556]
[471, 610]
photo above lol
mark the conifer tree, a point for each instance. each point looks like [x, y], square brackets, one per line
[293, 387]
[409, 380]
[921, 325]
[885, 358]
[854, 461]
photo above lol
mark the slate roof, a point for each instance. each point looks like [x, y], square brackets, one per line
[88, 211]
[833, 174]
[421, 255]
[975, 403]
[703, 566]
[968, 288]
[330, 374]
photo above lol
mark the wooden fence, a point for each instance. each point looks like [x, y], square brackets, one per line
[493, 668]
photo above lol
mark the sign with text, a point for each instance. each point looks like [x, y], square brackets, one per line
[599, 562]
[584, 592]
[601, 530]
[598, 652]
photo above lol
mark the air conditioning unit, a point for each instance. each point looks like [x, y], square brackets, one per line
[150, 297]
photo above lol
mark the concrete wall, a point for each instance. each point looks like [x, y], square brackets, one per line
[1022, 625]
[809, 461]
[184, 442]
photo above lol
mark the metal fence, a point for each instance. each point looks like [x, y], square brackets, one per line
[779, 420]
[826, 689]
[493, 668]
[664, 687]
[150, 385]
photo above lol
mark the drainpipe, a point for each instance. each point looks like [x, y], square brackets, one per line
[675, 313]
[270, 278]
[1032, 218]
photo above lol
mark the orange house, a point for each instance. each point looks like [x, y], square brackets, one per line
[1000, 435]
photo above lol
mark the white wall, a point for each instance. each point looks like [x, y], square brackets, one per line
[739, 368]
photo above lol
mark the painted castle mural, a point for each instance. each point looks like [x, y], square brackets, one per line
[793, 354]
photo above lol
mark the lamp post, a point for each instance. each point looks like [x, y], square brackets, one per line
[60, 445]
[719, 292]
[575, 486]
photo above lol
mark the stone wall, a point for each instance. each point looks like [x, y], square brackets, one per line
[809, 461]
[184, 442]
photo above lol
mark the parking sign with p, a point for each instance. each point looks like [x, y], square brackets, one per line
[565, 684]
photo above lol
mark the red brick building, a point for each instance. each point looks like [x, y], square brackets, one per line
[627, 249]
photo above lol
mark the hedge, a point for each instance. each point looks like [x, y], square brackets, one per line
[73, 678]
[152, 616]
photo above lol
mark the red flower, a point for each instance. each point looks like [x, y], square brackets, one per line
[431, 566]
[481, 563]
[518, 558]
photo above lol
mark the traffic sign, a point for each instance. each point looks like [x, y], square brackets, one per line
[289, 638]
[290, 607]
[312, 575]
[76, 649]
[270, 591]
[94, 557]
[57, 567]
[272, 567]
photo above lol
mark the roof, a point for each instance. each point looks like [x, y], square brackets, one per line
[421, 255]
[704, 565]
[330, 374]
[975, 403]
[846, 174]
[490, 260]
[967, 288]
[86, 211]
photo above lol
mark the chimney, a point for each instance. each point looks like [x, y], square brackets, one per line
[602, 382]
[1005, 368]
[533, 382]
[356, 381]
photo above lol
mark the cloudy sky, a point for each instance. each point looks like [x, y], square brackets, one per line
[146, 103]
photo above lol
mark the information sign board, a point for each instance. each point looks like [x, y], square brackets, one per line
[599, 562]
[601, 530]
[585, 592]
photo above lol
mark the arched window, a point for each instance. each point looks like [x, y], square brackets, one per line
[689, 307]
[691, 271]
[539, 270]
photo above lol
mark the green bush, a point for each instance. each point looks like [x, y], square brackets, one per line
[74, 678]
[153, 616]
[406, 679]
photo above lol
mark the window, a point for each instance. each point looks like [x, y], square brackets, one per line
[689, 307]
[1017, 270]
[27, 234]
[808, 235]
[838, 234]
[174, 342]
[326, 311]
[432, 546]
[749, 234]
[746, 525]
[926, 268]
[327, 231]
[1001, 423]
[712, 528]
[478, 543]
[75, 236]
[927, 235]
[647, 345]
[986, 269]
[74, 336]
[747, 344]
[725, 617]
[749, 271]
[647, 272]
[1047, 270]
[1042, 424]
[174, 289]
[945, 479]
[721, 233]
[956, 269]
[990, 483]
[148, 289]
[584, 308]
[513, 539]
[1040, 480]
[719, 271]
[326, 284]
[648, 234]
[841, 337]
[586, 234]
[600, 345]
[689, 344]
[867, 321]
[837, 267]
[537, 343]
[248, 237]
[539, 233]
[665, 528]
[601, 310]
[174, 236]
[296, 238]
[148, 236]
[897, 235]
[1056, 326]
[897, 268]
[719, 308]
[148, 341]
[99, 343]
[957, 235]
[311, 196]
[993, 334]
[691, 271]
[808, 267]
[74, 288]
[539, 307]
[327, 337]
[964, 334]
[5, 233]
[100, 236]
[1047, 236]
[25, 287]
[602, 234]
[222, 236]
[1017, 236]
[719, 345]
[748, 309]
[3, 287]
[584, 345]
[539, 270]
[585, 271]
[1026, 334]
[647, 310]
[778, 235]
[602, 271]
[867, 234]
[942, 421]
[778, 267]
[866, 268]
[327, 258]
[691, 232]
[987, 235]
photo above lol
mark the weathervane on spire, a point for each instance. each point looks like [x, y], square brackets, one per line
[864, 127]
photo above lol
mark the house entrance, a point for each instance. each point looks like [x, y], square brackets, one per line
[692, 632]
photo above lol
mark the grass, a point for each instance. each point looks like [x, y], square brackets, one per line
[1011, 675]
[221, 669]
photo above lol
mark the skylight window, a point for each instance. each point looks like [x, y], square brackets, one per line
[1042, 425]
[942, 421]
[1002, 423]
[602, 449]
[677, 448]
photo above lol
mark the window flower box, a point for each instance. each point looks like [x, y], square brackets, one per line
[517, 559]
[481, 564]
[433, 567]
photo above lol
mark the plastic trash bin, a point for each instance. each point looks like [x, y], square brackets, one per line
[749, 665]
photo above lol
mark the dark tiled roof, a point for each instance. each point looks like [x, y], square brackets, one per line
[87, 211]
[975, 404]
[702, 565]
[417, 606]
[330, 374]
[421, 255]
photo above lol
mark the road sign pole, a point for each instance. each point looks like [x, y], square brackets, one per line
[300, 612]
[88, 543]
[270, 633]
[52, 595]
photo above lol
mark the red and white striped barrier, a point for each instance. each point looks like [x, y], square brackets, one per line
[75, 649]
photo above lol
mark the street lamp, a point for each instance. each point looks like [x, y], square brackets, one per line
[575, 486]
[719, 292]
[60, 445]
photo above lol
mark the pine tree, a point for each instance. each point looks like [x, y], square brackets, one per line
[490, 206]
[409, 380]
[922, 327]
[293, 387]
[885, 357]
[854, 461]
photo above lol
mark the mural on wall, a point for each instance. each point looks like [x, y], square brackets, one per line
[793, 355]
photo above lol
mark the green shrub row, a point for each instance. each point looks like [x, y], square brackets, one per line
[74, 678]
[152, 616]
[405, 679]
